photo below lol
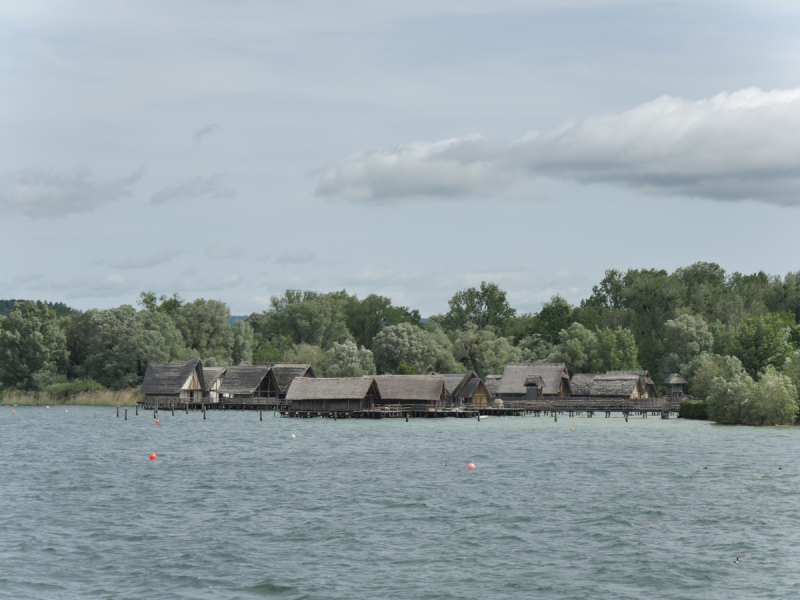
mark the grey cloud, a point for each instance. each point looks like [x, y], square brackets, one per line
[82, 287]
[207, 130]
[744, 145]
[295, 258]
[219, 252]
[38, 193]
[195, 187]
[193, 283]
[143, 261]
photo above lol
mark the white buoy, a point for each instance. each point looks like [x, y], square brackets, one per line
[293, 436]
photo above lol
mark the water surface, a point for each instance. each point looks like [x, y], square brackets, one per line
[233, 508]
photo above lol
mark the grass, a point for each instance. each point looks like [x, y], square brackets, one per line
[691, 408]
[98, 398]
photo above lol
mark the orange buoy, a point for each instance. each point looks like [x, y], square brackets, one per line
[572, 429]
[13, 411]
[157, 421]
[152, 457]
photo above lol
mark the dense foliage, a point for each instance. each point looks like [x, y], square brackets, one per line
[735, 337]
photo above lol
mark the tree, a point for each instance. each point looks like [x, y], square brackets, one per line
[685, 337]
[738, 400]
[307, 354]
[76, 326]
[405, 342]
[728, 399]
[348, 360]
[121, 341]
[486, 306]
[482, 351]
[577, 348]
[554, 317]
[205, 327]
[702, 370]
[616, 350]
[166, 304]
[534, 348]
[366, 318]
[242, 348]
[757, 341]
[32, 345]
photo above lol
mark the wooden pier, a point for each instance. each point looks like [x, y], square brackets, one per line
[571, 407]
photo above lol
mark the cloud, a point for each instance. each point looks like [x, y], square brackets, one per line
[143, 261]
[295, 258]
[219, 252]
[38, 193]
[207, 130]
[193, 188]
[744, 145]
[83, 287]
[192, 283]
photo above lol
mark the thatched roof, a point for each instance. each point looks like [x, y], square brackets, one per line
[211, 374]
[675, 379]
[623, 386]
[514, 375]
[492, 383]
[243, 379]
[455, 381]
[345, 388]
[534, 381]
[166, 379]
[469, 388]
[643, 374]
[582, 383]
[399, 388]
[283, 375]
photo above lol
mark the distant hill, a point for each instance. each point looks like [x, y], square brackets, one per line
[6, 306]
[235, 318]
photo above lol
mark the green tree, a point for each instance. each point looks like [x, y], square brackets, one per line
[616, 350]
[205, 327]
[406, 343]
[348, 360]
[738, 400]
[757, 341]
[166, 304]
[486, 306]
[121, 341]
[577, 348]
[555, 316]
[534, 348]
[702, 370]
[685, 337]
[32, 345]
[76, 327]
[366, 318]
[482, 351]
[242, 348]
[302, 354]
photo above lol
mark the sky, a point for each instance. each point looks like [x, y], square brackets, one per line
[233, 150]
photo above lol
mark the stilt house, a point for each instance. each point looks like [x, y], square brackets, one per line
[245, 381]
[178, 381]
[492, 383]
[213, 379]
[648, 385]
[281, 376]
[423, 390]
[624, 387]
[333, 394]
[675, 385]
[463, 388]
[581, 384]
[554, 375]
[534, 387]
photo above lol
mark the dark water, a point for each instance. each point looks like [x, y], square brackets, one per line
[233, 508]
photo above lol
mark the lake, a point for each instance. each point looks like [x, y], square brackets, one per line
[234, 508]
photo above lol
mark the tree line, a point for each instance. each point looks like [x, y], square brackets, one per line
[735, 337]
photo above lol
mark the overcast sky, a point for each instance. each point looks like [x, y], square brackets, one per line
[235, 149]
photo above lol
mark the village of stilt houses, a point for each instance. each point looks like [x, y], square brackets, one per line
[294, 390]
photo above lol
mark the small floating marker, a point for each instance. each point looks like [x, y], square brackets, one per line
[293, 437]
[471, 466]
[152, 457]
[572, 429]
[13, 411]
[157, 421]
[48, 407]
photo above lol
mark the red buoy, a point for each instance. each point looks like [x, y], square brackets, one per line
[152, 457]
[157, 421]
[13, 411]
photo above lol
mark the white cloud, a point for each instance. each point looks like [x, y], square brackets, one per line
[83, 287]
[219, 252]
[38, 193]
[296, 258]
[744, 145]
[192, 188]
[143, 261]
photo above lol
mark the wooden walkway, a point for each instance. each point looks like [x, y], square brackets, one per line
[571, 407]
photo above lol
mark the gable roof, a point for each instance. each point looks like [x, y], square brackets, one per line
[454, 382]
[329, 388]
[534, 381]
[581, 383]
[211, 374]
[243, 379]
[615, 385]
[284, 374]
[675, 379]
[470, 387]
[169, 378]
[411, 387]
[515, 374]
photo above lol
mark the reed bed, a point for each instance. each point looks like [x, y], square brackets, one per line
[100, 398]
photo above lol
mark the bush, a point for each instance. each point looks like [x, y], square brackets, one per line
[692, 408]
[73, 388]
